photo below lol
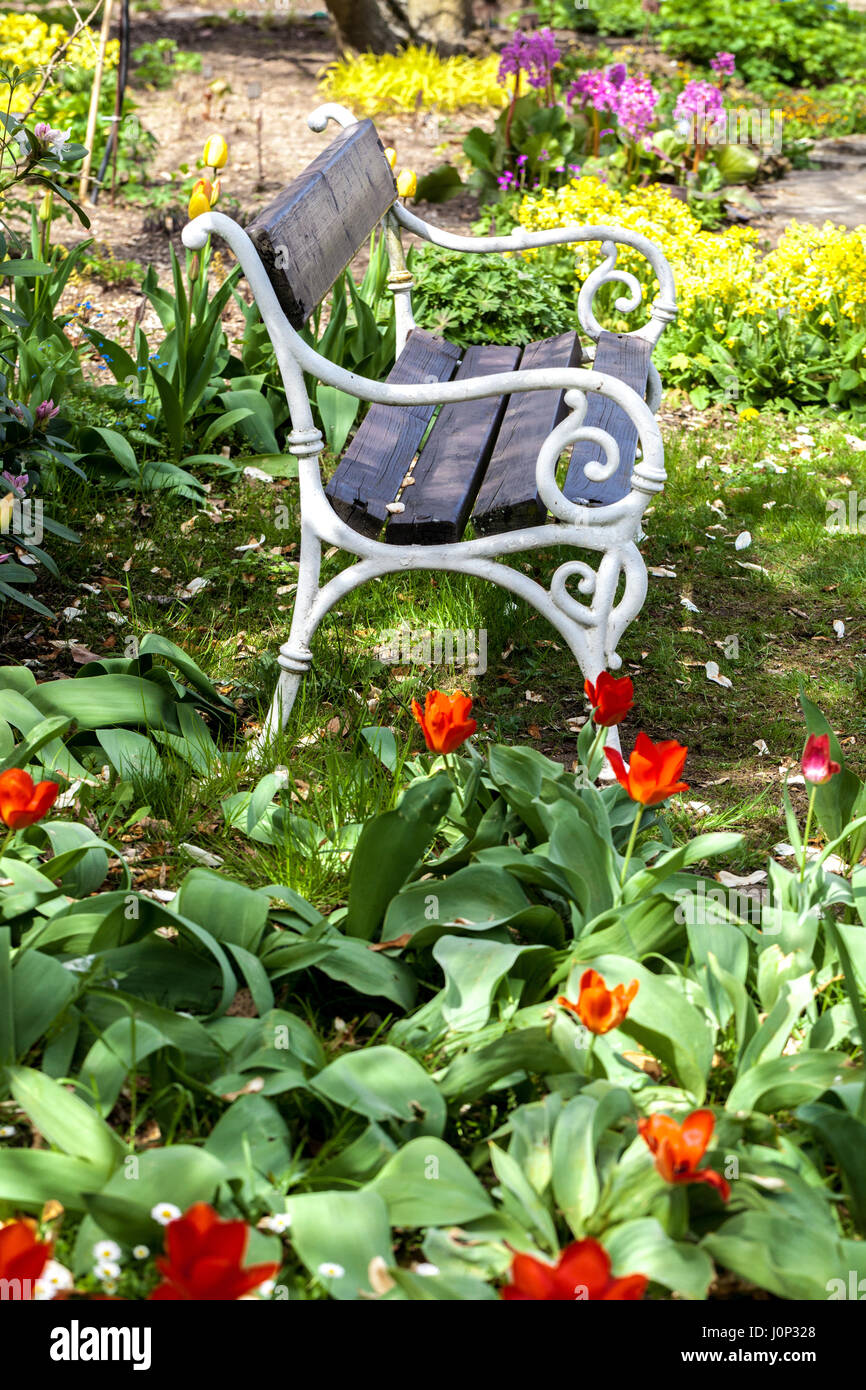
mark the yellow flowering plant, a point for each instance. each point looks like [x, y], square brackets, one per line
[788, 326]
[374, 82]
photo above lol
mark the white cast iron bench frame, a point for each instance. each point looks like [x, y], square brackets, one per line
[591, 629]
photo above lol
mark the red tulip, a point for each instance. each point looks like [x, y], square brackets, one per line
[678, 1149]
[582, 1272]
[611, 698]
[445, 720]
[600, 1009]
[653, 769]
[816, 762]
[21, 801]
[203, 1259]
[22, 1257]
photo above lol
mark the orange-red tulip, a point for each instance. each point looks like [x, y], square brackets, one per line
[611, 698]
[445, 720]
[678, 1149]
[582, 1272]
[653, 769]
[22, 1257]
[203, 1259]
[23, 802]
[600, 1009]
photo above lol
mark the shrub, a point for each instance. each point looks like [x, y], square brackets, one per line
[492, 299]
[795, 41]
[788, 327]
[374, 82]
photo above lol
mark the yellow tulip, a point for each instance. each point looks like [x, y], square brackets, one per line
[215, 193]
[201, 198]
[407, 183]
[216, 152]
[391, 156]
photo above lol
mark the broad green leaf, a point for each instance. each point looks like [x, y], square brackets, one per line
[425, 1183]
[388, 849]
[383, 1084]
[66, 1121]
[643, 1247]
[345, 1230]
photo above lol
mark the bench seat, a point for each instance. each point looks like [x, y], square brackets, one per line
[422, 484]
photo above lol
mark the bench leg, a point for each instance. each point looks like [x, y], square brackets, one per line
[295, 656]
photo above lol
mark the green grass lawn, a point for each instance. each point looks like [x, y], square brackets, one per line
[765, 614]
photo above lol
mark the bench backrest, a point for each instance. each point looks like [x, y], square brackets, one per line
[312, 230]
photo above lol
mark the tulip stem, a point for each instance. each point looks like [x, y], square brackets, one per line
[595, 747]
[630, 846]
[8, 837]
[807, 829]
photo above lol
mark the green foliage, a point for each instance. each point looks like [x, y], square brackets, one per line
[488, 299]
[794, 41]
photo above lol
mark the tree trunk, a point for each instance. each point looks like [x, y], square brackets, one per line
[383, 26]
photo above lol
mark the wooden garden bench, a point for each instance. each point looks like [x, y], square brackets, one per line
[404, 492]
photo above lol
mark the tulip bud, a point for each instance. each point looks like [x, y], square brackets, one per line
[391, 156]
[201, 198]
[45, 208]
[216, 152]
[407, 183]
[215, 193]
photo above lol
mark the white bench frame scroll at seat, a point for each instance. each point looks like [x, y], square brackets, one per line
[591, 629]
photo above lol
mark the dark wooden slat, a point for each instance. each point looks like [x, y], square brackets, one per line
[374, 465]
[311, 230]
[508, 498]
[452, 463]
[628, 359]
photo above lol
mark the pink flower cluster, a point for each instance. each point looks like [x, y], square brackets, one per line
[699, 99]
[724, 64]
[632, 100]
[535, 53]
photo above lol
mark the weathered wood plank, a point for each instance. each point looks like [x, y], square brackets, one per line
[374, 465]
[311, 230]
[509, 498]
[628, 359]
[452, 463]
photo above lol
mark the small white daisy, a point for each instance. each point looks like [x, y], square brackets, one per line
[7, 1131]
[278, 1223]
[54, 1278]
[426, 1269]
[266, 1289]
[107, 1250]
[329, 1270]
[165, 1212]
[141, 1252]
[109, 1286]
[106, 1270]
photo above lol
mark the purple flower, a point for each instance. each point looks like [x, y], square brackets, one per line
[636, 105]
[45, 411]
[594, 89]
[699, 105]
[18, 482]
[700, 99]
[724, 63]
[53, 140]
[616, 74]
[536, 54]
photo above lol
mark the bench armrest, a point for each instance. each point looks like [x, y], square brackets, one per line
[663, 310]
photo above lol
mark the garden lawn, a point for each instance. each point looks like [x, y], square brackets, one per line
[765, 614]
